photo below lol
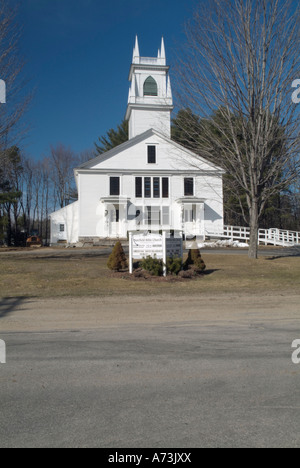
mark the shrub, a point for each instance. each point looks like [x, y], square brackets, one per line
[174, 265]
[194, 261]
[117, 260]
[154, 266]
[189, 274]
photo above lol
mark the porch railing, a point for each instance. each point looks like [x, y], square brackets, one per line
[270, 236]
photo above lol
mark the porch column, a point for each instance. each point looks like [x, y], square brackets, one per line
[201, 220]
[182, 217]
[106, 220]
[123, 222]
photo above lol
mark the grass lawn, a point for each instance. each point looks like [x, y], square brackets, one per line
[43, 276]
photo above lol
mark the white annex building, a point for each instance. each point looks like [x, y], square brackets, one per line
[148, 183]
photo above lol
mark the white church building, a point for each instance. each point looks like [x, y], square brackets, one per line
[147, 183]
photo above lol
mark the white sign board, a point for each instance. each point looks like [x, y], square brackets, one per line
[160, 246]
[147, 245]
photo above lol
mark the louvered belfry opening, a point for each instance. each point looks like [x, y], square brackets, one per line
[150, 87]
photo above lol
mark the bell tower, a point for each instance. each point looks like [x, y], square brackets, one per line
[150, 100]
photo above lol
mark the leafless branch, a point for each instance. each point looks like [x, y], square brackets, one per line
[240, 60]
[11, 68]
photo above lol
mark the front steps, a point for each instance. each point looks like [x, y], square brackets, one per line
[100, 242]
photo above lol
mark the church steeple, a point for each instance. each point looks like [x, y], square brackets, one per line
[150, 101]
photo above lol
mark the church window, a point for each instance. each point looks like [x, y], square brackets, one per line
[147, 183]
[150, 87]
[115, 186]
[189, 187]
[156, 187]
[190, 213]
[151, 155]
[154, 215]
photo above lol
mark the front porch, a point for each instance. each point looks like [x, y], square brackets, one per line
[120, 216]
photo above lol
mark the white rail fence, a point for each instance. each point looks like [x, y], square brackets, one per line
[266, 236]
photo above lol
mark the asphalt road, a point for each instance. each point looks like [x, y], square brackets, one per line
[186, 384]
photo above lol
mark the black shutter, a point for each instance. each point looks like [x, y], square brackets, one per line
[138, 187]
[165, 187]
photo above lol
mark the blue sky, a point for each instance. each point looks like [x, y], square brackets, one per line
[78, 54]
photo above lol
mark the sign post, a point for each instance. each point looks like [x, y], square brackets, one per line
[164, 252]
[130, 254]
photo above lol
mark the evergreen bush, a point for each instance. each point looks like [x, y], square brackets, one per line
[117, 260]
[194, 261]
[154, 266]
[174, 265]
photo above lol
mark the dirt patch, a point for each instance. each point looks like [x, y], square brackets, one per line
[41, 315]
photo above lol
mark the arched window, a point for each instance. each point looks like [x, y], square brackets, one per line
[150, 87]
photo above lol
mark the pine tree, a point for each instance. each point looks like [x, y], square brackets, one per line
[195, 261]
[113, 138]
[117, 260]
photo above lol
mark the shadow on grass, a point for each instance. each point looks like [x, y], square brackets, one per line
[10, 304]
[210, 272]
[64, 256]
[292, 252]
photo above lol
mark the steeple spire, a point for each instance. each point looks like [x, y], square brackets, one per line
[163, 50]
[136, 51]
[169, 89]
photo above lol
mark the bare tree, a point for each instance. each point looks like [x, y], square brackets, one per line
[11, 66]
[63, 162]
[38, 197]
[86, 155]
[27, 193]
[240, 60]
[10, 190]
[45, 211]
